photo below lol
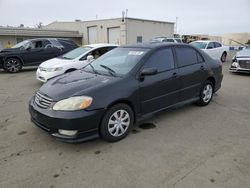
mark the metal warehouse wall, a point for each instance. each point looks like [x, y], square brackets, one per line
[148, 30]
[102, 29]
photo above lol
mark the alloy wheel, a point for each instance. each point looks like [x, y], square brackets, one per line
[207, 93]
[118, 123]
[13, 65]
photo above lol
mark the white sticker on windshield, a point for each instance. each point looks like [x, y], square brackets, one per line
[135, 53]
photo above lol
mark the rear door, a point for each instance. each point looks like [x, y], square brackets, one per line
[192, 71]
[161, 90]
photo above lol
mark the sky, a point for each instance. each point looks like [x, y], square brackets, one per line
[214, 17]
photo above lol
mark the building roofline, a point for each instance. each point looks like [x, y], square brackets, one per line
[119, 18]
[17, 31]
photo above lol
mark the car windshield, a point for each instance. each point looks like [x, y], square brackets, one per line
[76, 52]
[119, 61]
[179, 40]
[200, 45]
[24, 44]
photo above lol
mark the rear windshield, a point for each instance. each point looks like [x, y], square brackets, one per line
[76, 52]
[200, 45]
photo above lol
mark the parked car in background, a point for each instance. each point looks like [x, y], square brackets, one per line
[122, 87]
[71, 61]
[33, 52]
[165, 39]
[214, 49]
[241, 61]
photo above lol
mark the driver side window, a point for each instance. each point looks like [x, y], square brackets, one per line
[36, 44]
[162, 60]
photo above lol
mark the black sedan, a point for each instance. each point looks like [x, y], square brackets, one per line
[33, 52]
[123, 87]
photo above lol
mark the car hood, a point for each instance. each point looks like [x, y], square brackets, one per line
[76, 83]
[243, 53]
[9, 50]
[55, 62]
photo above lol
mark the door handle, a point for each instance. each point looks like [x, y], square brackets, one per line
[174, 75]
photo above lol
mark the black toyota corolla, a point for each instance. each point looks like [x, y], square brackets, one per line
[123, 87]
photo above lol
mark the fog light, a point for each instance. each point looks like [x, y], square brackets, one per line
[67, 132]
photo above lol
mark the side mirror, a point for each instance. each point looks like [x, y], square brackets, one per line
[148, 72]
[90, 58]
[28, 48]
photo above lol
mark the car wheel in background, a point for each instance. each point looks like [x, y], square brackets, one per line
[206, 93]
[12, 65]
[117, 123]
[223, 57]
[70, 70]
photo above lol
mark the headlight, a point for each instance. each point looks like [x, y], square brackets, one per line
[234, 59]
[53, 69]
[73, 104]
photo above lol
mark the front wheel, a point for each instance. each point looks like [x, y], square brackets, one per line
[223, 57]
[12, 65]
[116, 123]
[206, 93]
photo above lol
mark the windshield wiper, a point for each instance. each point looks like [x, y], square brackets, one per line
[111, 71]
[95, 71]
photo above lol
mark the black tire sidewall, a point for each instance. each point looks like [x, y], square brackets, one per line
[4, 64]
[201, 101]
[104, 133]
[223, 60]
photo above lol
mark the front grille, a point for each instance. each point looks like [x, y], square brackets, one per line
[42, 101]
[245, 64]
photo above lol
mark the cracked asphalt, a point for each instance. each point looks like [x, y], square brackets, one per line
[184, 147]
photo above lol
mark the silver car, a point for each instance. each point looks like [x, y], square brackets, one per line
[241, 61]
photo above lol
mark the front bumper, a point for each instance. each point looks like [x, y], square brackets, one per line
[44, 76]
[85, 122]
[240, 70]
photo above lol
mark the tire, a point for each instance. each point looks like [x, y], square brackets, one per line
[116, 123]
[12, 65]
[223, 57]
[206, 93]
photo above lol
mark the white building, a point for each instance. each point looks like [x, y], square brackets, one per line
[117, 30]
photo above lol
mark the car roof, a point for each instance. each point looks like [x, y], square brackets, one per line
[207, 41]
[100, 45]
[153, 45]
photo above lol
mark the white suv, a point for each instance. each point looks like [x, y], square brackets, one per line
[73, 60]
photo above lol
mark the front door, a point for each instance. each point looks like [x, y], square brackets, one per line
[161, 90]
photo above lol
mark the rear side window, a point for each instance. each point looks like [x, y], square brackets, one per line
[210, 45]
[217, 45]
[187, 56]
[162, 59]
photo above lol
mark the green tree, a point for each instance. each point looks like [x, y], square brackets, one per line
[248, 42]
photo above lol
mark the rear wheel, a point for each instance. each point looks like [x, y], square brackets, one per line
[206, 93]
[70, 70]
[116, 123]
[223, 57]
[12, 65]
